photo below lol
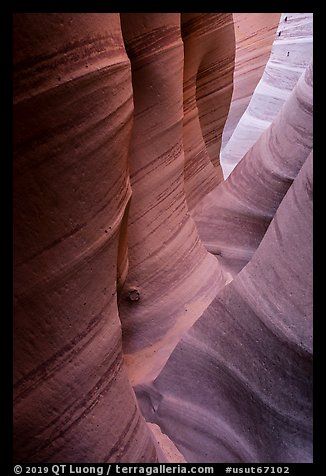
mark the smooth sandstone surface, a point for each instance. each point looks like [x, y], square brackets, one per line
[73, 109]
[290, 55]
[209, 49]
[136, 268]
[171, 278]
[254, 34]
[233, 218]
[240, 380]
[165, 445]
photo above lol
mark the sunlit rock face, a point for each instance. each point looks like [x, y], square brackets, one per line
[290, 55]
[254, 34]
[161, 314]
[232, 219]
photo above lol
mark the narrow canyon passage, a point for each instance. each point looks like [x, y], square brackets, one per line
[161, 313]
[233, 218]
[240, 380]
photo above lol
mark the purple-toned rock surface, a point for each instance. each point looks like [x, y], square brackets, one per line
[240, 380]
[119, 210]
[233, 218]
[254, 35]
[291, 53]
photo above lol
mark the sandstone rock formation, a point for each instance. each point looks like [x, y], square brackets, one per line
[118, 212]
[73, 109]
[291, 54]
[233, 218]
[171, 278]
[213, 35]
[208, 80]
[240, 380]
[254, 34]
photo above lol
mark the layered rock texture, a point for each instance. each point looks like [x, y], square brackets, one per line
[255, 35]
[160, 313]
[291, 53]
[73, 109]
[171, 278]
[209, 46]
[219, 386]
[233, 218]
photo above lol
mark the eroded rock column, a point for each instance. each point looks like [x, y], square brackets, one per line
[72, 122]
[291, 54]
[254, 34]
[171, 278]
[209, 49]
[233, 218]
[240, 380]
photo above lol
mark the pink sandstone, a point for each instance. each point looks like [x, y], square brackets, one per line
[119, 208]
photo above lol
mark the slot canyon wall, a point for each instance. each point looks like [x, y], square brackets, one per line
[290, 54]
[250, 61]
[161, 313]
